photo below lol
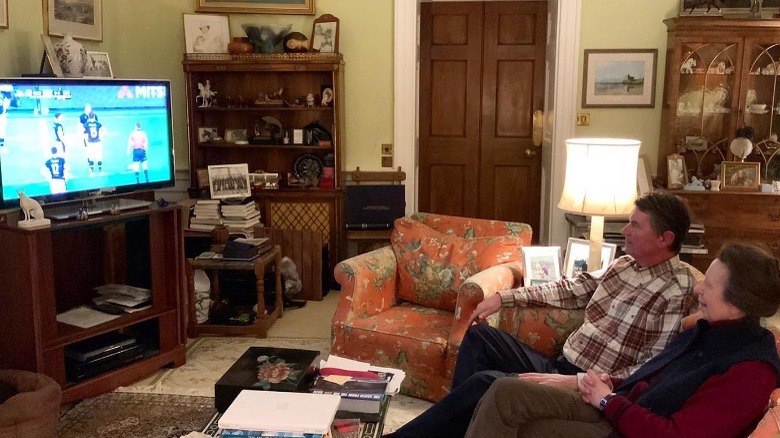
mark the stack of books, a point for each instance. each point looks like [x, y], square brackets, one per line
[694, 240]
[241, 218]
[260, 414]
[206, 215]
[362, 395]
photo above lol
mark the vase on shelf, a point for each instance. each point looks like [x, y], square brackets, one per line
[755, 8]
[240, 45]
[72, 56]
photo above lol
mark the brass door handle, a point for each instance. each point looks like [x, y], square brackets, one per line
[529, 153]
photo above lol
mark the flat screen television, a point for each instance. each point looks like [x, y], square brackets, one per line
[68, 139]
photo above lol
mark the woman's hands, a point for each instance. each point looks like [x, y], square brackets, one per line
[594, 387]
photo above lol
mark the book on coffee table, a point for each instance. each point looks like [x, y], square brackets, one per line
[357, 394]
[289, 412]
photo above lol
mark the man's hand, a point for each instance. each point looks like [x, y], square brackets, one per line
[486, 308]
[556, 380]
[594, 387]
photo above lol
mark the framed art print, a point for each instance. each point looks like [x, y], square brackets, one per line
[229, 181]
[578, 252]
[325, 34]
[619, 78]
[542, 264]
[83, 19]
[98, 65]
[51, 57]
[740, 176]
[676, 172]
[206, 33]
[256, 6]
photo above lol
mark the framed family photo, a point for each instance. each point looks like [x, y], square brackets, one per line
[207, 134]
[229, 181]
[83, 19]
[578, 252]
[256, 6]
[740, 176]
[676, 172]
[98, 65]
[542, 264]
[325, 34]
[619, 78]
[206, 33]
[234, 135]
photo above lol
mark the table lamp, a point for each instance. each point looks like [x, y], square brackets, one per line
[600, 182]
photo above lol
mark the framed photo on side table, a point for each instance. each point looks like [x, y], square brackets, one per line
[206, 33]
[82, 19]
[229, 181]
[578, 252]
[741, 176]
[542, 264]
[676, 172]
[619, 78]
[325, 34]
[98, 65]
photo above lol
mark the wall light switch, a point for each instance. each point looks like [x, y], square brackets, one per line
[387, 149]
[583, 119]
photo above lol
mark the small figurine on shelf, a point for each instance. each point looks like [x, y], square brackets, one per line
[206, 96]
[33, 213]
[310, 100]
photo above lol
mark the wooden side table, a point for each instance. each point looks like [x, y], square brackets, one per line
[264, 319]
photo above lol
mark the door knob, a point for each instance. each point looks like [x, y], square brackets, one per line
[529, 153]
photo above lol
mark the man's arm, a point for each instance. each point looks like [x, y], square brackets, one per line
[565, 294]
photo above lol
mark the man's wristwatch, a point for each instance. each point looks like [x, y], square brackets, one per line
[605, 400]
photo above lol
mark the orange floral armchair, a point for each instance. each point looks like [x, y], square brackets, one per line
[407, 305]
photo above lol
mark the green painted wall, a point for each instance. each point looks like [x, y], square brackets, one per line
[620, 24]
[145, 39]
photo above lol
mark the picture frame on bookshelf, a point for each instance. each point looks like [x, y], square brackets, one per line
[229, 181]
[82, 19]
[291, 7]
[206, 33]
[325, 34]
[98, 65]
[578, 252]
[740, 176]
[235, 135]
[542, 264]
[207, 134]
[676, 171]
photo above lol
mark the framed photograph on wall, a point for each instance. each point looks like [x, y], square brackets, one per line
[542, 264]
[3, 14]
[325, 34]
[676, 172]
[578, 252]
[619, 78]
[229, 181]
[82, 19]
[51, 57]
[98, 65]
[257, 6]
[741, 176]
[206, 33]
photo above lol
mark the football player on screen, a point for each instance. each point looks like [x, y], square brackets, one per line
[56, 171]
[138, 144]
[94, 144]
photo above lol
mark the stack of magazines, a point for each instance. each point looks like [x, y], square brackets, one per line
[121, 298]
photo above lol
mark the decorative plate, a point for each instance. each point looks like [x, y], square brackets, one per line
[308, 166]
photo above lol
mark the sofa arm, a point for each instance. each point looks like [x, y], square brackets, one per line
[543, 328]
[368, 284]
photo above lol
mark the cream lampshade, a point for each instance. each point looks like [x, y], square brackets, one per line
[600, 182]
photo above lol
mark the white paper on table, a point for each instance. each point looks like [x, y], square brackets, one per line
[394, 385]
[355, 365]
[84, 317]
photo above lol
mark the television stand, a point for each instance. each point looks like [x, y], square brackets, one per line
[94, 208]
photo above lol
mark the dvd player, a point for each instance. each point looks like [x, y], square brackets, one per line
[76, 370]
[99, 207]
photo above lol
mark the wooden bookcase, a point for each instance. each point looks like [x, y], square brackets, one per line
[239, 81]
[48, 271]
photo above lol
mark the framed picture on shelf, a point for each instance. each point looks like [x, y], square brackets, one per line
[207, 134]
[325, 34]
[578, 252]
[542, 264]
[82, 19]
[3, 14]
[741, 8]
[676, 172]
[741, 176]
[644, 181]
[619, 78]
[98, 65]
[206, 33]
[257, 6]
[229, 181]
[234, 135]
[51, 57]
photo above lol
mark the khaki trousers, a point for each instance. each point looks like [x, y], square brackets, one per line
[517, 408]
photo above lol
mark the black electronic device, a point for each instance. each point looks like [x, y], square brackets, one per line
[99, 346]
[76, 370]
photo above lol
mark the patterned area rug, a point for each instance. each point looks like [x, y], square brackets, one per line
[136, 415]
[208, 358]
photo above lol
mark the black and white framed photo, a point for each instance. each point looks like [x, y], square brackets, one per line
[619, 78]
[578, 252]
[229, 181]
[206, 33]
[83, 19]
[207, 134]
[235, 135]
[98, 65]
[325, 34]
[3, 14]
[542, 264]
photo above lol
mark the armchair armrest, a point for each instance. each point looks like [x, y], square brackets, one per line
[368, 284]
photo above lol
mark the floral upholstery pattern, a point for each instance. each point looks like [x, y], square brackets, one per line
[384, 319]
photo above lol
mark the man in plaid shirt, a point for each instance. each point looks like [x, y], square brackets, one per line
[632, 309]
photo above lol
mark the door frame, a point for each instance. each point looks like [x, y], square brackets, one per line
[562, 78]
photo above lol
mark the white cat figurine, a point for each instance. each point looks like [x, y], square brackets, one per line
[33, 213]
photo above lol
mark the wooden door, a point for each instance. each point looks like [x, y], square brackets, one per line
[481, 78]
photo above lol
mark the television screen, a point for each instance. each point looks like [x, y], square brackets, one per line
[63, 139]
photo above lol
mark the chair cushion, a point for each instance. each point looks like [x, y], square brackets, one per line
[432, 266]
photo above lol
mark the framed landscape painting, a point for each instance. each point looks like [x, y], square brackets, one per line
[82, 19]
[619, 78]
[256, 6]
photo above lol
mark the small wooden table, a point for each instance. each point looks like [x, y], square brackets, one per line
[263, 320]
